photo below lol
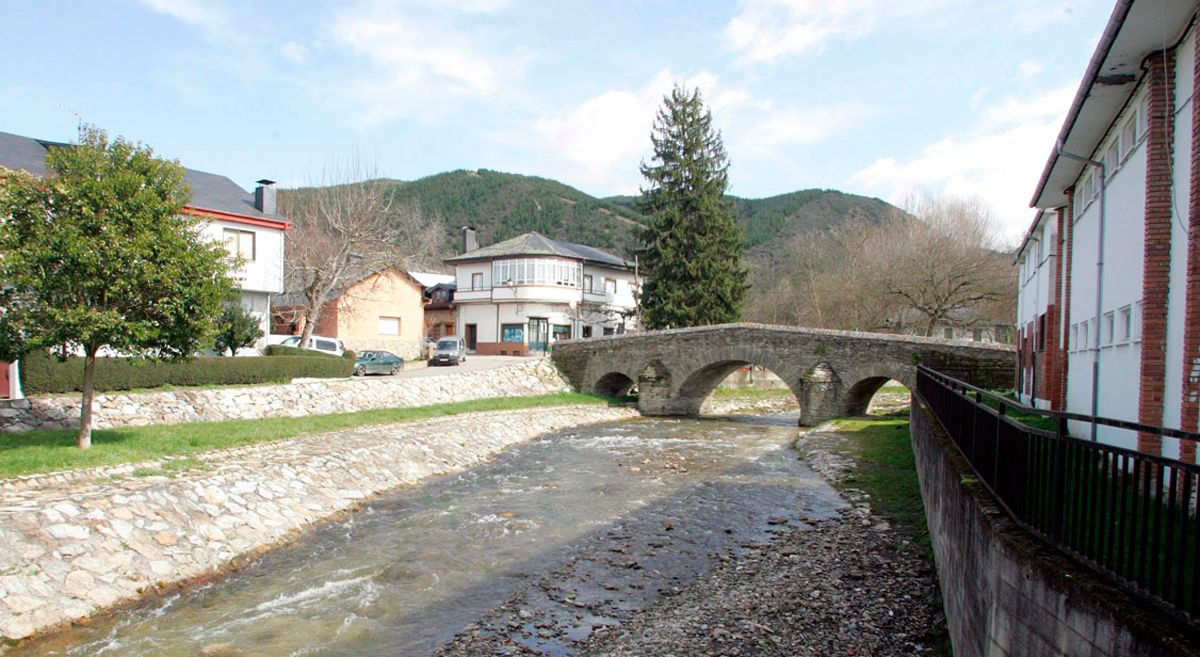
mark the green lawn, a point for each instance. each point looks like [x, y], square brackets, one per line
[51, 451]
[751, 393]
[886, 470]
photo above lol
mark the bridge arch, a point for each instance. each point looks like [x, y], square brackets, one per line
[614, 384]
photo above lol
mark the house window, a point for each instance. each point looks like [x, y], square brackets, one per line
[1083, 335]
[1074, 336]
[389, 326]
[512, 333]
[610, 285]
[1107, 328]
[476, 281]
[1135, 332]
[587, 282]
[240, 243]
[1124, 323]
[587, 331]
[608, 330]
[1112, 156]
[948, 332]
[1129, 135]
[560, 332]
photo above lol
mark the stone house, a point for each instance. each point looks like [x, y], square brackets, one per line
[379, 310]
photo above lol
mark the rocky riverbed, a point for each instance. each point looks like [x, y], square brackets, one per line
[848, 584]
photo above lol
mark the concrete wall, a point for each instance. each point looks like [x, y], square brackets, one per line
[1007, 593]
[290, 400]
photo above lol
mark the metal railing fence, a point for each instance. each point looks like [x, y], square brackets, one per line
[1128, 514]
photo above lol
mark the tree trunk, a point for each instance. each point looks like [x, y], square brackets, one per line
[89, 390]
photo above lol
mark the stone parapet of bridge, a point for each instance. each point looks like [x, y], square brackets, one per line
[831, 373]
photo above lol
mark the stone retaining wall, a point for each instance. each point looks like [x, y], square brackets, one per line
[291, 400]
[73, 547]
[1008, 594]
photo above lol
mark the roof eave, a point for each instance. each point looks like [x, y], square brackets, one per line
[1107, 39]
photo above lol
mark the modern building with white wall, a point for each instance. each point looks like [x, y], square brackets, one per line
[518, 296]
[1109, 299]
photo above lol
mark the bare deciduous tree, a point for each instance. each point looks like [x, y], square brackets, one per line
[345, 228]
[938, 263]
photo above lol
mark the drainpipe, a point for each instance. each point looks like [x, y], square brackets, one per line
[1058, 149]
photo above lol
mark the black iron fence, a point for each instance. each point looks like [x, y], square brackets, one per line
[1128, 514]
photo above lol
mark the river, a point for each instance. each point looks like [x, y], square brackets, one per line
[629, 511]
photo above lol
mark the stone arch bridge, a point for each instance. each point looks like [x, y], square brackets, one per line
[832, 373]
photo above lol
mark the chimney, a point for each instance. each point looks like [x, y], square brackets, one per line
[469, 243]
[264, 196]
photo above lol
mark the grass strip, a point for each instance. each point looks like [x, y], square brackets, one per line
[53, 451]
[751, 393]
[886, 469]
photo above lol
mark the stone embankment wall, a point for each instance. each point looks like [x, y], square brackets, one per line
[1005, 592]
[71, 548]
[291, 400]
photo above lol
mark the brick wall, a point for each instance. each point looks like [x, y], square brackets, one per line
[1156, 267]
[1190, 407]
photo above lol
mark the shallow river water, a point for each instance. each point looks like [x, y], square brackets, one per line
[631, 510]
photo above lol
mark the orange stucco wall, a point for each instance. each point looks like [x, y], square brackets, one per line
[390, 293]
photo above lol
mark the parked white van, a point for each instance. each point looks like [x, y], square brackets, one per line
[318, 343]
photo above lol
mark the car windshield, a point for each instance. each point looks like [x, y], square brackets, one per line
[290, 341]
[448, 344]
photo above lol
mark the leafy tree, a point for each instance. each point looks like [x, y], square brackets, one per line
[691, 252]
[236, 328]
[99, 254]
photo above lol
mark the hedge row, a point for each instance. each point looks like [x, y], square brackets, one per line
[43, 374]
[280, 350]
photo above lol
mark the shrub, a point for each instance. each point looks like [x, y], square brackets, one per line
[43, 374]
[280, 350]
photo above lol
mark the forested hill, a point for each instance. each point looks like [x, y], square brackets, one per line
[769, 222]
[503, 205]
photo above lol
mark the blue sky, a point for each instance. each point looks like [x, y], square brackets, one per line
[872, 97]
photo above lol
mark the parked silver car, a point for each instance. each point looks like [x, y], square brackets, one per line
[450, 350]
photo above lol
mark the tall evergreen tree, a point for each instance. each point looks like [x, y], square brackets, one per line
[691, 252]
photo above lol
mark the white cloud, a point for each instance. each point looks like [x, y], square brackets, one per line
[598, 142]
[765, 31]
[1029, 69]
[193, 12]
[768, 31]
[1037, 15]
[294, 52]
[999, 160]
[417, 68]
[773, 129]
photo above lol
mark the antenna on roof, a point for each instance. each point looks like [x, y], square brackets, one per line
[74, 112]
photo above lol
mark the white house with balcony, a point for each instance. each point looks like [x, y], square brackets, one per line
[247, 224]
[518, 296]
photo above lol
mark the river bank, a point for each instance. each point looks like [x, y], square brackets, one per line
[75, 547]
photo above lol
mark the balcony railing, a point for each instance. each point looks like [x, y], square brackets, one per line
[1127, 514]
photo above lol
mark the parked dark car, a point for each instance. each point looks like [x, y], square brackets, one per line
[451, 350]
[377, 362]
